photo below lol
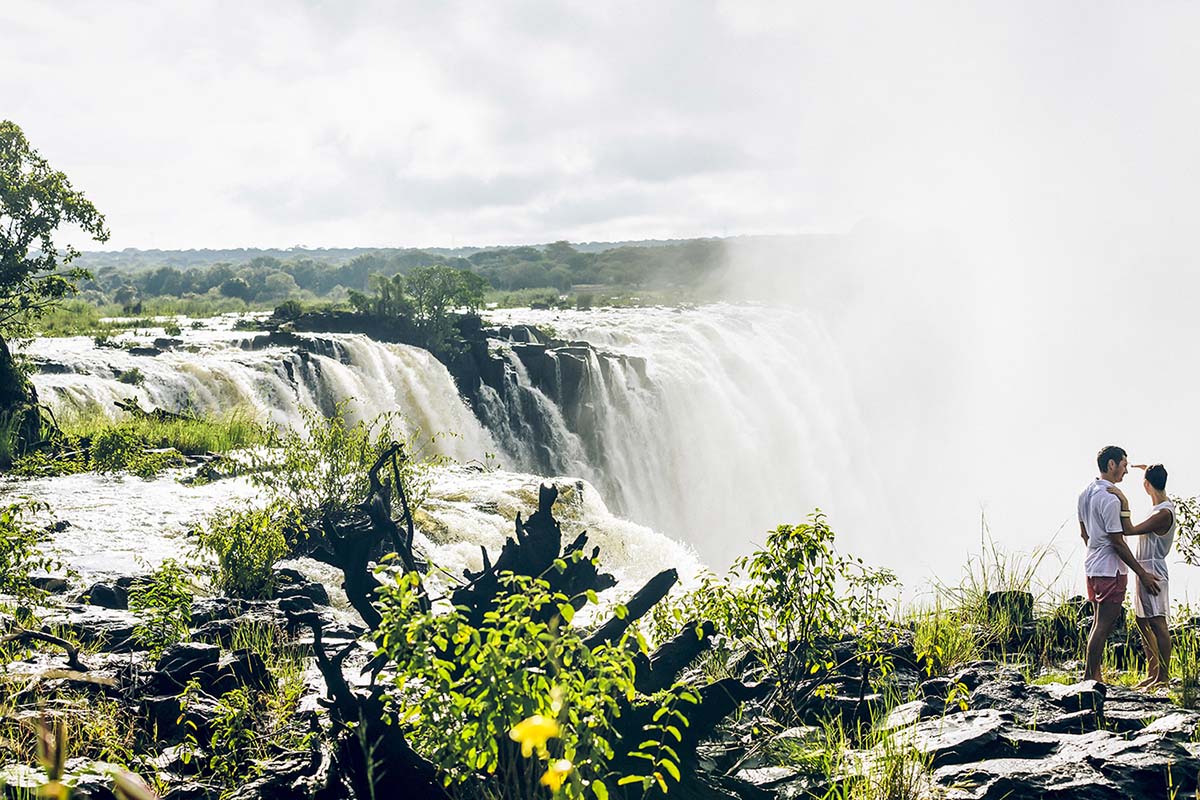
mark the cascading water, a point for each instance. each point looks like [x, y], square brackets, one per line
[213, 372]
[743, 419]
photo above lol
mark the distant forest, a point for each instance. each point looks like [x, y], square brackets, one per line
[128, 277]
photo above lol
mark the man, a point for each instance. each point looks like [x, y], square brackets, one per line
[1108, 556]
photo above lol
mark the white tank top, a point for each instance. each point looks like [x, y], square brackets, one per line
[1152, 547]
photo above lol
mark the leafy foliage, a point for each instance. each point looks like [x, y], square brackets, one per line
[788, 604]
[20, 553]
[324, 468]
[164, 599]
[524, 674]
[35, 200]
[247, 544]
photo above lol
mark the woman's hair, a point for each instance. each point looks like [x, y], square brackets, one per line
[1157, 475]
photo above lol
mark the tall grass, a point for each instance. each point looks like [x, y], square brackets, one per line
[209, 433]
[942, 640]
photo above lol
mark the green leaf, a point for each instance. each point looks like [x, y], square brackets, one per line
[567, 611]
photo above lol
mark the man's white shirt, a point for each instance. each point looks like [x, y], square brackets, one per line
[1100, 513]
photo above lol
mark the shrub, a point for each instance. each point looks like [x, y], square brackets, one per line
[324, 469]
[788, 603]
[165, 600]
[247, 543]
[172, 328]
[119, 448]
[523, 674]
[132, 376]
[20, 554]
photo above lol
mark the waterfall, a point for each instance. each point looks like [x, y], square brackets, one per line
[744, 418]
[213, 372]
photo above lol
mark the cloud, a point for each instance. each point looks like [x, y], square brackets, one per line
[219, 123]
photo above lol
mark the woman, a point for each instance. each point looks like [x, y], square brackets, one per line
[1158, 533]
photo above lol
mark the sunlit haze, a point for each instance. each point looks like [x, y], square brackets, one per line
[1011, 187]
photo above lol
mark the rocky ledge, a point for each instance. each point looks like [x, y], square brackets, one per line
[1000, 737]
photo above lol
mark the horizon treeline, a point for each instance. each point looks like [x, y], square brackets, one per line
[268, 276]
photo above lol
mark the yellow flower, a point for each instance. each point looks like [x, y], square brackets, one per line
[556, 773]
[533, 733]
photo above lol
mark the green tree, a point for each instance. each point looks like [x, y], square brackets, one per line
[35, 200]
[434, 291]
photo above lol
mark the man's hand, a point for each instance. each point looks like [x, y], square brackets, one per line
[1150, 582]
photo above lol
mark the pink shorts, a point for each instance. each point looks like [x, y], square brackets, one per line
[1107, 588]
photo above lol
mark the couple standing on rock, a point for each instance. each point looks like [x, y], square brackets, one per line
[1104, 522]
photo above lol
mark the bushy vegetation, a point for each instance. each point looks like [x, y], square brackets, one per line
[247, 543]
[142, 444]
[20, 552]
[468, 691]
[164, 598]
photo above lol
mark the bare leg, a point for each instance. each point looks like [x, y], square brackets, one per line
[1151, 646]
[1163, 635]
[1102, 625]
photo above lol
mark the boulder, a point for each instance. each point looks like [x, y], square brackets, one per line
[105, 595]
[183, 662]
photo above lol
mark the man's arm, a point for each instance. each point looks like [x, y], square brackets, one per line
[1121, 547]
[1110, 514]
[1083, 532]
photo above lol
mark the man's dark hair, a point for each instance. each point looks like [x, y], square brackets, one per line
[1110, 453]
[1157, 475]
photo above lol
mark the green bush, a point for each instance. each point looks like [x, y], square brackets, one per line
[165, 600]
[324, 468]
[20, 553]
[119, 448]
[172, 328]
[132, 376]
[247, 543]
[787, 603]
[524, 674]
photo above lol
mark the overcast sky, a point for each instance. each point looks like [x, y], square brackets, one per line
[331, 124]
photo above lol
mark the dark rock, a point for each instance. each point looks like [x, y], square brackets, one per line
[1082, 696]
[975, 673]
[289, 777]
[242, 668]
[174, 718]
[936, 688]
[194, 790]
[144, 351]
[207, 609]
[106, 595]
[109, 629]
[54, 584]
[291, 583]
[297, 604]
[1094, 765]
[167, 343]
[960, 738]
[185, 661]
